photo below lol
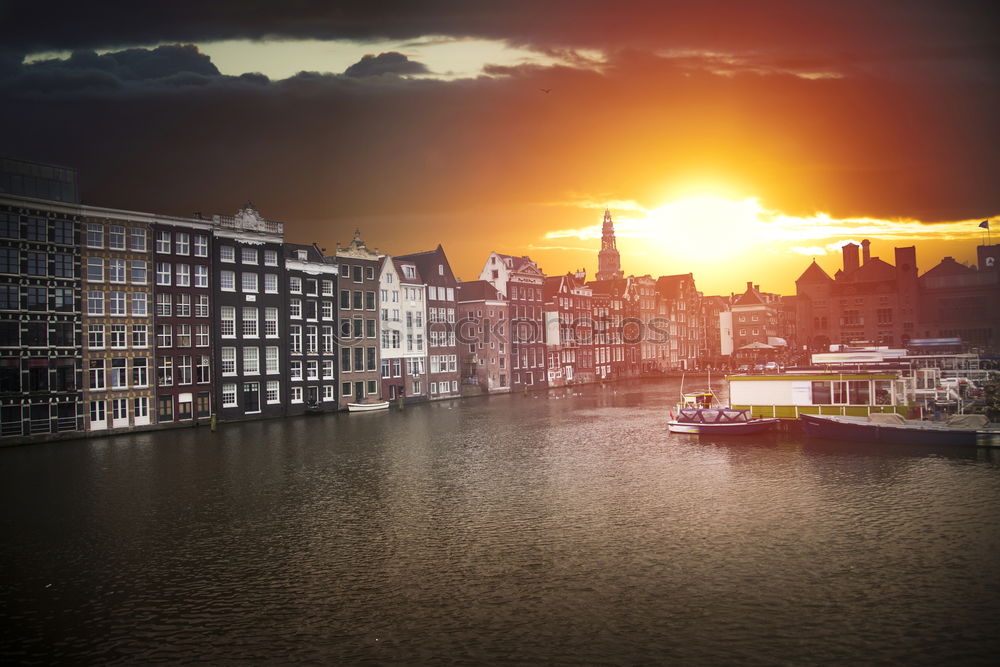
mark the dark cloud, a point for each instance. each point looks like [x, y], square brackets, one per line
[385, 63]
[173, 65]
[908, 130]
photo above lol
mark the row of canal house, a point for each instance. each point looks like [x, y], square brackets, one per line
[114, 320]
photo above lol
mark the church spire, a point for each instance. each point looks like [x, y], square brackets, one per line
[608, 260]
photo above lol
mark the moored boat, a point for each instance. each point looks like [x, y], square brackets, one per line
[718, 421]
[367, 407]
[967, 430]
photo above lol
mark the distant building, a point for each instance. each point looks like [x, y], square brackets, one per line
[443, 374]
[311, 321]
[569, 329]
[39, 181]
[358, 311]
[483, 342]
[250, 288]
[609, 265]
[521, 282]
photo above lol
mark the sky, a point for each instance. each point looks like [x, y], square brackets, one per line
[733, 140]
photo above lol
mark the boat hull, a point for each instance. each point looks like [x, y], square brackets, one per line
[912, 433]
[367, 407]
[743, 428]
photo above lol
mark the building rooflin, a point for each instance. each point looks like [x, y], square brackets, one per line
[425, 261]
[874, 270]
[814, 274]
[948, 267]
[477, 290]
[417, 279]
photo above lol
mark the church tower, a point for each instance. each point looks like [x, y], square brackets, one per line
[608, 262]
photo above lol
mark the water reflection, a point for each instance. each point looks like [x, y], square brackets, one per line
[560, 527]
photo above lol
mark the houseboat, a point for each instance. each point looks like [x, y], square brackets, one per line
[788, 395]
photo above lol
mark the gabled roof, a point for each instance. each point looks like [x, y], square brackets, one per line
[518, 263]
[477, 290]
[814, 274]
[749, 298]
[948, 267]
[313, 254]
[670, 286]
[417, 280]
[874, 270]
[427, 261]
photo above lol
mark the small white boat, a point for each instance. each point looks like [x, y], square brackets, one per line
[718, 421]
[367, 407]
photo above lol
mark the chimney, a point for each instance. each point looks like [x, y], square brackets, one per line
[850, 258]
[865, 251]
[749, 285]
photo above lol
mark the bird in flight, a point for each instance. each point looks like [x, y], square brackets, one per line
[545, 90]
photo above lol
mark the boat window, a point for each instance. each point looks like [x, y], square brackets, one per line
[883, 392]
[839, 392]
[821, 393]
[734, 416]
[859, 392]
[709, 416]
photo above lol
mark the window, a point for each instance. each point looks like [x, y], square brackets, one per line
[164, 304]
[248, 255]
[37, 263]
[370, 301]
[229, 395]
[119, 378]
[227, 325]
[356, 274]
[271, 360]
[164, 335]
[116, 237]
[251, 361]
[183, 275]
[95, 336]
[37, 298]
[116, 336]
[328, 393]
[201, 335]
[270, 258]
[163, 242]
[95, 375]
[137, 239]
[249, 322]
[327, 287]
[183, 305]
[116, 304]
[345, 295]
[182, 242]
[62, 266]
[95, 270]
[328, 340]
[295, 370]
[249, 282]
[328, 369]
[295, 308]
[139, 271]
[200, 275]
[98, 414]
[228, 361]
[163, 273]
[140, 335]
[62, 232]
[271, 322]
[345, 388]
[227, 281]
[369, 273]
[95, 235]
[139, 304]
[201, 306]
[200, 245]
[140, 372]
[312, 370]
[227, 253]
[271, 283]
[9, 298]
[295, 339]
[327, 310]
[385, 368]
[9, 262]
[183, 335]
[204, 371]
[295, 285]
[296, 393]
[311, 340]
[271, 392]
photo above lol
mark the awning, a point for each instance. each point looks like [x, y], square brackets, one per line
[775, 341]
[757, 346]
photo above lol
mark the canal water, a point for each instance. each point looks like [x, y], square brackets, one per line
[558, 528]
